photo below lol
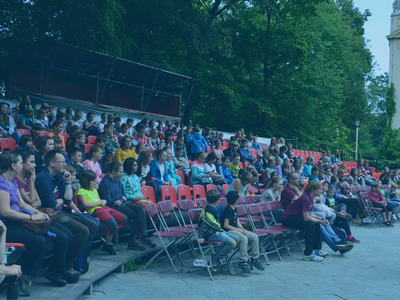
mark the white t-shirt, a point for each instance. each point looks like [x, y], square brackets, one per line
[269, 195]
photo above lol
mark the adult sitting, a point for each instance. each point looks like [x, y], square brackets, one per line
[54, 187]
[245, 153]
[13, 270]
[299, 215]
[7, 125]
[111, 190]
[198, 174]
[273, 193]
[45, 144]
[143, 170]
[291, 190]
[159, 170]
[241, 184]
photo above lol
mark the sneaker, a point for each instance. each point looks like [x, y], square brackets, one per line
[390, 223]
[148, 243]
[344, 215]
[55, 278]
[342, 252]
[136, 246]
[245, 267]
[110, 249]
[313, 257]
[71, 277]
[344, 246]
[321, 253]
[256, 264]
[353, 240]
[25, 283]
[394, 218]
[366, 220]
[386, 223]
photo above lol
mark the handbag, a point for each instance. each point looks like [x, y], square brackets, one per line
[37, 227]
[50, 212]
[138, 202]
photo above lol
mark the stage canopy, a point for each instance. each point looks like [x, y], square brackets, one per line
[64, 75]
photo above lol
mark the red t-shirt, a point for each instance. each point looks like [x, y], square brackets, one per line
[296, 208]
[287, 196]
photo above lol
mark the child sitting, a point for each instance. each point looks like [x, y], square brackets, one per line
[75, 155]
[230, 222]
[224, 170]
[90, 200]
[131, 182]
[92, 163]
[181, 162]
[258, 165]
[234, 165]
[210, 230]
[25, 143]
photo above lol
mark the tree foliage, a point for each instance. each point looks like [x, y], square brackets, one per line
[293, 68]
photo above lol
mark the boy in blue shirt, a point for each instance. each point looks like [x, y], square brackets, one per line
[210, 230]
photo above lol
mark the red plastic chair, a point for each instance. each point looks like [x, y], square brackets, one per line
[24, 132]
[150, 150]
[184, 192]
[225, 187]
[43, 133]
[91, 139]
[241, 165]
[168, 193]
[246, 164]
[8, 144]
[198, 191]
[181, 175]
[148, 192]
[65, 135]
[87, 148]
[211, 187]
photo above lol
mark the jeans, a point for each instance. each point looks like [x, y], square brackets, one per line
[243, 242]
[230, 241]
[329, 237]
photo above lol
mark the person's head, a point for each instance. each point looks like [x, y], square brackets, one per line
[3, 108]
[245, 177]
[103, 117]
[79, 137]
[25, 141]
[55, 161]
[179, 151]
[310, 160]
[57, 142]
[255, 176]
[386, 170]
[283, 149]
[360, 162]
[271, 163]
[217, 144]
[28, 160]
[58, 126]
[334, 171]
[202, 157]
[108, 129]
[234, 145]
[328, 171]
[276, 183]
[129, 122]
[75, 154]
[213, 196]
[314, 188]
[139, 148]
[161, 155]
[126, 142]
[77, 115]
[117, 121]
[72, 170]
[36, 129]
[101, 141]
[344, 187]
[314, 170]
[10, 161]
[169, 153]
[232, 197]
[278, 161]
[366, 163]
[154, 133]
[87, 179]
[211, 158]
[168, 137]
[29, 113]
[144, 158]
[375, 186]
[95, 153]
[297, 163]
[225, 161]
[90, 117]
[293, 178]
[140, 130]
[130, 166]
[393, 187]
[379, 184]
[243, 143]
[45, 144]
[330, 192]
[115, 170]
[60, 116]
[235, 159]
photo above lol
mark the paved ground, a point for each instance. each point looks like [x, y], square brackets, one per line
[370, 271]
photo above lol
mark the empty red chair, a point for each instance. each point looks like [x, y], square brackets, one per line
[225, 187]
[181, 175]
[168, 193]
[65, 135]
[241, 165]
[8, 144]
[184, 192]
[24, 132]
[43, 133]
[148, 192]
[198, 191]
[211, 187]
[246, 164]
[87, 148]
[91, 139]
[254, 153]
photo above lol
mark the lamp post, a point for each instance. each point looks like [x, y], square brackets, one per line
[357, 123]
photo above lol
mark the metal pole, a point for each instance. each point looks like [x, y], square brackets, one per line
[356, 141]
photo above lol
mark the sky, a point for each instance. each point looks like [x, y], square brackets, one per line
[376, 29]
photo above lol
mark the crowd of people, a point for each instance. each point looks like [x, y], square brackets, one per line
[52, 178]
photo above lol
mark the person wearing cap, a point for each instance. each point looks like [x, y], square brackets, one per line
[230, 223]
[233, 147]
[197, 143]
[258, 165]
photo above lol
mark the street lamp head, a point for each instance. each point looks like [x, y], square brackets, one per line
[357, 122]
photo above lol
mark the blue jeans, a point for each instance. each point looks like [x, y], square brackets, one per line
[230, 241]
[329, 237]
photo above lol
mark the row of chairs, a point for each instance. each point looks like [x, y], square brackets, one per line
[273, 236]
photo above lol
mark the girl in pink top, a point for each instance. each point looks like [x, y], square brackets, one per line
[92, 164]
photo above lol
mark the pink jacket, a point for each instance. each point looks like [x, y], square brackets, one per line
[95, 167]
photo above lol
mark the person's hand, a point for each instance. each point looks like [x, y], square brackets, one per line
[59, 202]
[3, 227]
[14, 270]
[118, 203]
[67, 176]
[201, 241]
[103, 202]
[325, 222]
[243, 231]
[39, 217]
[280, 188]
[140, 198]
[45, 216]
[33, 176]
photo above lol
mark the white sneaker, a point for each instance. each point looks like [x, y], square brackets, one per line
[366, 220]
[313, 257]
[394, 218]
[321, 253]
